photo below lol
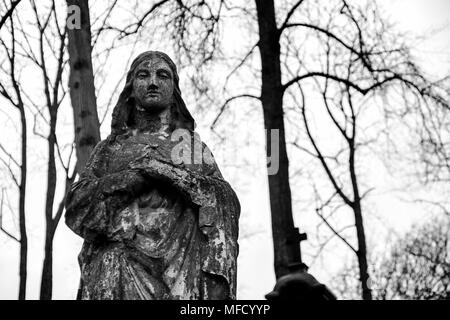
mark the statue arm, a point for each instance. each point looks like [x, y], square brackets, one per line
[202, 188]
[97, 193]
[190, 184]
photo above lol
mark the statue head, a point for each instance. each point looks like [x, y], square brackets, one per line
[152, 84]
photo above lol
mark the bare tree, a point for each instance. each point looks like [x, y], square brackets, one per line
[416, 266]
[370, 61]
[48, 25]
[12, 93]
[354, 200]
[286, 249]
[42, 45]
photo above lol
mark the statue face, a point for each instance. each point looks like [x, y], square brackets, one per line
[153, 85]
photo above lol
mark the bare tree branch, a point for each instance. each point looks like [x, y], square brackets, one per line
[347, 82]
[9, 12]
[289, 15]
[222, 108]
[9, 155]
[1, 219]
[336, 233]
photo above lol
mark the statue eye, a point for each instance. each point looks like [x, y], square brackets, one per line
[141, 74]
[163, 74]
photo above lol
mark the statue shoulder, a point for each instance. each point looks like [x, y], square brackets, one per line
[96, 165]
[209, 162]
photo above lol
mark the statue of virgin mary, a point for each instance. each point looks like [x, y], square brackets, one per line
[154, 227]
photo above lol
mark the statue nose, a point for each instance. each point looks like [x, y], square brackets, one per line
[152, 82]
[152, 86]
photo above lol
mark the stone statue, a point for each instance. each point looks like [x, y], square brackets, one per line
[154, 227]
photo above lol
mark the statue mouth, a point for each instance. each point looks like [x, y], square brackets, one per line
[152, 93]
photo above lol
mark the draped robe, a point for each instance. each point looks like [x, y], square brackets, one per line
[157, 240]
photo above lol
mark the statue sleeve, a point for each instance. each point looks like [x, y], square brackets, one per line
[219, 221]
[85, 205]
[94, 199]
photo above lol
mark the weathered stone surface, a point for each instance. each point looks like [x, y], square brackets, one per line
[153, 229]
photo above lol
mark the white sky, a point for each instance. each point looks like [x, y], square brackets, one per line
[255, 264]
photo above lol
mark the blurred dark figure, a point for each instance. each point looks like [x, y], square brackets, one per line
[299, 285]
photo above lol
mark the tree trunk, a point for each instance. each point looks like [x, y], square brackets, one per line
[82, 89]
[362, 250]
[362, 254]
[286, 245]
[22, 224]
[47, 271]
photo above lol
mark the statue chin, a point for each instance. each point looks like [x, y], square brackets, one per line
[153, 106]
